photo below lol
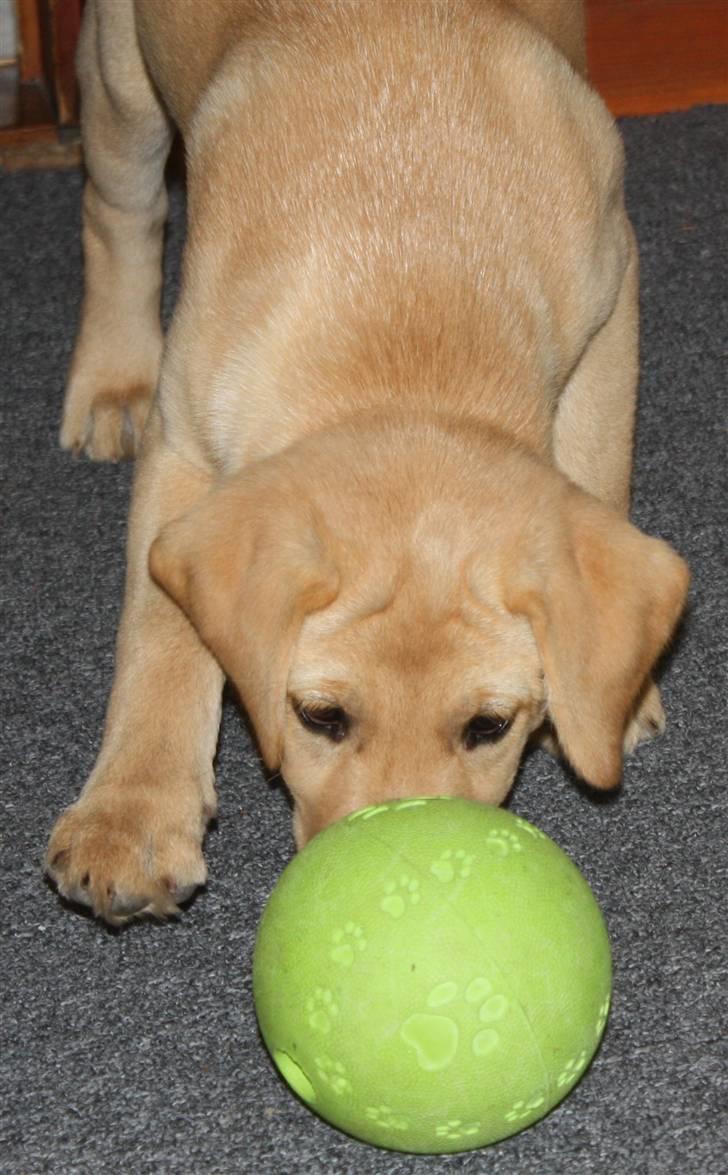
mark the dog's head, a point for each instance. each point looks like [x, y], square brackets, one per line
[400, 608]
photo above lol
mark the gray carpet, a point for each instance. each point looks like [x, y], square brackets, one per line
[137, 1051]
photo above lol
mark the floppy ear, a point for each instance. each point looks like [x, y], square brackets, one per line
[246, 565]
[602, 600]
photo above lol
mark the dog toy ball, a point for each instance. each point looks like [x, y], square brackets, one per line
[432, 975]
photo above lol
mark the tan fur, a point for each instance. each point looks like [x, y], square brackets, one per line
[387, 466]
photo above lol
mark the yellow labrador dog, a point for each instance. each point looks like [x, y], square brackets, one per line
[385, 449]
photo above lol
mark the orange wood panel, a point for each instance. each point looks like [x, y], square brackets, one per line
[649, 56]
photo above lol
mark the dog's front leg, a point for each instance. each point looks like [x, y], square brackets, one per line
[132, 843]
[126, 139]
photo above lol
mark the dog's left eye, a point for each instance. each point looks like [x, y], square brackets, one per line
[484, 728]
[330, 721]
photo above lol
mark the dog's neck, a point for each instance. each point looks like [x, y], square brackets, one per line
[323, 346]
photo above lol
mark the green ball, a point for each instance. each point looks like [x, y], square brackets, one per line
[432, 975]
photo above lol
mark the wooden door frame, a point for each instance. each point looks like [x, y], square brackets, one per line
[47, 89]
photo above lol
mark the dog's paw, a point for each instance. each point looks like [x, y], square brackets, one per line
[127, 857]
[110, 389]
[106, 424]
[648, 719]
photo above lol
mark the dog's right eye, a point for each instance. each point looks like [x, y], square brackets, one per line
[330, 721]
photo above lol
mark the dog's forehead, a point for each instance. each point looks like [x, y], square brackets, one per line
[409, 624]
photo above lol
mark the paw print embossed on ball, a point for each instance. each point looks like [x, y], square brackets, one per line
[573, 1069]
[523, 1111]
[386, 1117]
[437, 1034]
[457, 1130]
[321, 1009]
[452, 865]
[399, 895]
[432, 975]
[333, 1074]
[346, 941]
[503, 841]
[602, 1019]
[530, 829]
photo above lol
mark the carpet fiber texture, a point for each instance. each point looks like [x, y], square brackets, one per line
[137, 1050]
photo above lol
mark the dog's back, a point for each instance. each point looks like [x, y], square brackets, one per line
[384, 166]
[167, 28]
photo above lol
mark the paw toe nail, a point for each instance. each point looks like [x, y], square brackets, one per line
[59, 859]
[74, 893]
[126, 905]
[128, 439]
[181, 893]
